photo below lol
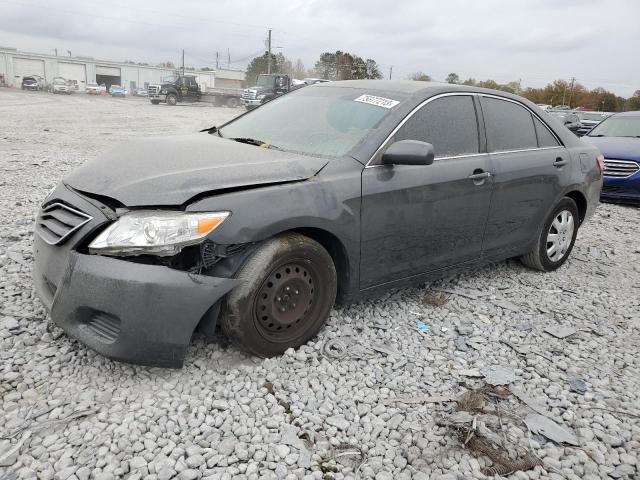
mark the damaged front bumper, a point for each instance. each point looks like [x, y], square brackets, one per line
[132, 312]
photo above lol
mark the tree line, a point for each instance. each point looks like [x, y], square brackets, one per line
[341, 65]
[558, 92]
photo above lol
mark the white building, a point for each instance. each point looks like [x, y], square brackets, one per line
[15, 64]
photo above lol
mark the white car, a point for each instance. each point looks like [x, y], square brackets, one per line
[93, 89]
[544, 106]
[60, 85]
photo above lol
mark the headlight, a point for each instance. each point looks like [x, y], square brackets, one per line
[163, 91]
[260, 97]
[155, 232]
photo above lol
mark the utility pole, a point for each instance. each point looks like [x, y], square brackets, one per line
[183, 62]
[56, 50]
[217, 60]
[269, 52]
[228, 58]
[573, 79]
[390, 71]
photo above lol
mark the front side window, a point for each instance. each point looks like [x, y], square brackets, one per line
[509, 125]
[448, 123]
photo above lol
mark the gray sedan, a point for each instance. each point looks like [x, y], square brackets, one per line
[337, 191]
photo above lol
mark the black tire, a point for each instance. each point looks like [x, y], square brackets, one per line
[172, 99]
[539, 258]
[261, 315]
[232, 102]
[155, 102]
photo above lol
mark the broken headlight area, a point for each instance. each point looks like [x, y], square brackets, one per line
[158, 233]
[198, 259]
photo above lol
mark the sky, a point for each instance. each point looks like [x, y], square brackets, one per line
[534, 41]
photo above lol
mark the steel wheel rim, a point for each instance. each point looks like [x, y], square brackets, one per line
[560, 235]
[285, 301]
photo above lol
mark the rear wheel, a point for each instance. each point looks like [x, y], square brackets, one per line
[172, 99]
[556, 238]
[288, 288]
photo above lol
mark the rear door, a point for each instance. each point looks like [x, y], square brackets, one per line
[419, 218]
[530, 166]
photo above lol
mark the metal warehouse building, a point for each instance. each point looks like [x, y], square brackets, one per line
[83, 70]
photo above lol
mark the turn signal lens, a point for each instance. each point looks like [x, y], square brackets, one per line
[600, 162]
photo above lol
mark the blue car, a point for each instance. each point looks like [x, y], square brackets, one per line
[117, 91]
[618, 138]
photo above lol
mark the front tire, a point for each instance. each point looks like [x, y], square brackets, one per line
[172, 100]
[288, 288]
[556, 239]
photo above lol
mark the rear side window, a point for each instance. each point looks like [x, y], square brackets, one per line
[509, 125]
[545, 138]
[448, 123]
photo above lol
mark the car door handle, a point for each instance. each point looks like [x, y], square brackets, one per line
[560, 162]
[480, 176]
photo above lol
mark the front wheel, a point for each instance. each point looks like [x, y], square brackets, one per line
[288, 288]
[172, 100]
[556, 239]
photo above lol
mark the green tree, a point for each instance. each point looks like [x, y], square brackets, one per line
[419, 77]
[634, 102]
[345, 66]
[453, 78]
[259, 65]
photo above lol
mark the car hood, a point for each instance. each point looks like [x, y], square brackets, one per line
[172, 170]
[622, 148]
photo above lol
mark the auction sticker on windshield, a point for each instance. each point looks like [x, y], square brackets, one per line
[377, 101]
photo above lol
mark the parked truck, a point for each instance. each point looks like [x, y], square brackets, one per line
[185, 88]
[267, 87]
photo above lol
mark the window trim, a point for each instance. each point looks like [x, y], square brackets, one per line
[418, 107]
[498, 97]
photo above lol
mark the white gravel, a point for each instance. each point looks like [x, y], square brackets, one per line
[68, 413]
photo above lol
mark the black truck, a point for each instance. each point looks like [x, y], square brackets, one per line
[268, 86]
[185, 88]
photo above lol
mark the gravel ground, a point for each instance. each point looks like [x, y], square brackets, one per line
[68, 413]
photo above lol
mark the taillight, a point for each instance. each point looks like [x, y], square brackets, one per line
[600, 162]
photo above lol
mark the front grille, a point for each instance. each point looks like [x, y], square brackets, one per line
[153, 89]
[619, 168]
[106, 327]
[249, 95]
[57, 222]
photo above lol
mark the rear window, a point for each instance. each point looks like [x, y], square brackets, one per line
[509, 125]
[545, 137]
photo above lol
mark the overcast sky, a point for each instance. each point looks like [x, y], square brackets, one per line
[537, 41]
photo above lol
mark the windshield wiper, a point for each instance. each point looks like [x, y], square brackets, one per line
[253, 141]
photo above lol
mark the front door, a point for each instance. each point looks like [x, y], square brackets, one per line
[417, 219]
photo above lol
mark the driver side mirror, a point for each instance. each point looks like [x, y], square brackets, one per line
[409, 152]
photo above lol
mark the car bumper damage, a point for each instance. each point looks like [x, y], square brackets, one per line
[127, 311]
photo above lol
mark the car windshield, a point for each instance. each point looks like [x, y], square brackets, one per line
[59, 81]
[617, 127]
[315, 121]
[265, 81]
[170, 79]
[591, 116]
[559, 114]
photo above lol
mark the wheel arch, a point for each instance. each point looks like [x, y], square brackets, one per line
[337, 251]
[581, 202]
